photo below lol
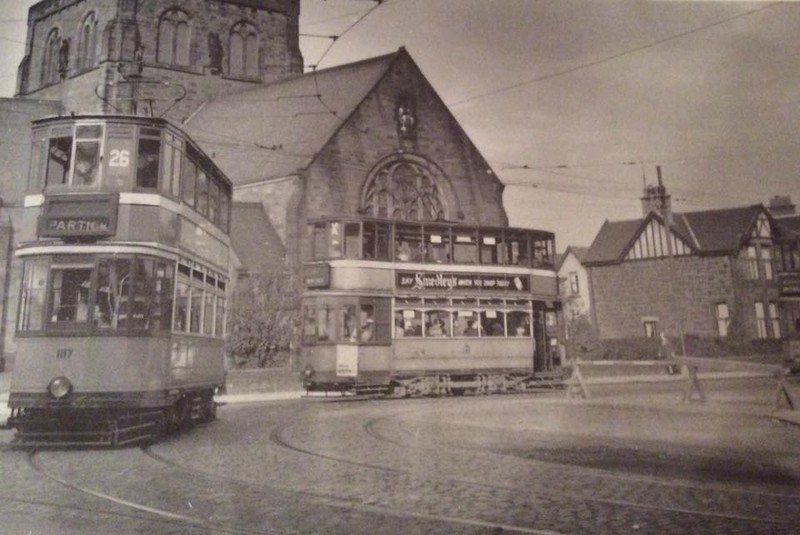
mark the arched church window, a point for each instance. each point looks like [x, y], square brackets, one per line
[174, 38]
[243, 53]
[50, 57]
[87, 42]
[405, 190]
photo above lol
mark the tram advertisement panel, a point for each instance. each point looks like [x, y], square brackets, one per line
[449, 281]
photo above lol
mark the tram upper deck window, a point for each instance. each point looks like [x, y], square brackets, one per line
[437, 243]
[73, 155]
[376, 240]
[542, 251]
[409, 243]
[352, 240]
[517, 248]
[464, 246]
[148, 158]
[491, 247]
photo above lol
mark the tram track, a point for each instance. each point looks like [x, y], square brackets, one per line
[369, 428]
[161, 515]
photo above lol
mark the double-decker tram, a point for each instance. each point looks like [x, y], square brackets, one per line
[125, 253]
[428, 308]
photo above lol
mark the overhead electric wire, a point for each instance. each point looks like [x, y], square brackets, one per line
[606, 59]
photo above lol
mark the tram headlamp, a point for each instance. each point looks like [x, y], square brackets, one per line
[59, 387]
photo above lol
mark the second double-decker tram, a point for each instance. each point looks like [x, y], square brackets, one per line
[428, 308]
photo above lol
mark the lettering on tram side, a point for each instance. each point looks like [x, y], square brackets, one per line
[63, 353]
[421, 280]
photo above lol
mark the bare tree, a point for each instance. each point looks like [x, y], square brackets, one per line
[263, 319]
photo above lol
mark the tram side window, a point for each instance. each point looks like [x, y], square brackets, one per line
[438, 246]
[352, 240]
[161, 309]
[517, 249]
[410, 244]
[181, 319]
[188, 178]
[113, 304]
[349, 329]
[490, 247]
[493, 323]
[148, 159]
[519, 323]
[202, 192]
[408, 323]
[196, 302]
[219, 324]
[466, 324]
[437, 324]
[464, 248]
[376, 240]
[69, 296]
[34, 286]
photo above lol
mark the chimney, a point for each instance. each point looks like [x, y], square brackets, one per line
[781, 206]
[655, 198]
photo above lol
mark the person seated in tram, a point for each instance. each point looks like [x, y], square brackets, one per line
[403, 251]
[436, 328]
[368, 330]
[473, 329]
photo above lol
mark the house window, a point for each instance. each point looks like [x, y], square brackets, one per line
[174, 38]
[723, 319]
[88, 42]
[775, 320]
[243, 53]
[650, 328]
[766, 261]
[761, 322]
[752, 262]
[574, 285]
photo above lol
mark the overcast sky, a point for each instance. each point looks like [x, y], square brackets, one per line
[575, 103]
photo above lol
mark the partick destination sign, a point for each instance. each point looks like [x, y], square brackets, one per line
[79, 216]
[448, 281]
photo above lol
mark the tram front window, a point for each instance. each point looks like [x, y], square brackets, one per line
[70, 294]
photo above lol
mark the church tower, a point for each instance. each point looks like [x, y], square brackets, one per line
[155, 57]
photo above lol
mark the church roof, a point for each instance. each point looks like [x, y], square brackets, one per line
[254, 239]
[273, 130]
[707, 231]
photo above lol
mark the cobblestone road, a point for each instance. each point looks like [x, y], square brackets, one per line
[631, 460]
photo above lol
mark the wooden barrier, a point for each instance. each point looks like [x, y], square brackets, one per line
[694, 392]
[576, 385]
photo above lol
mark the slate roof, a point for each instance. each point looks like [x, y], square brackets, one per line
[254, 239]
[273, 130]
[708, 232]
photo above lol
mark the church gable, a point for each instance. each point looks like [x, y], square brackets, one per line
[402, 155]
[653, 241]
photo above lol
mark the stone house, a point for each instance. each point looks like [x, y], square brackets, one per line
[713, 282]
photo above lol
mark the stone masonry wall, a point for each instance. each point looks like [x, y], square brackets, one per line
[683, 293]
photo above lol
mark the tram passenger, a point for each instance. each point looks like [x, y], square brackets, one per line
[436, 328]
[368, 330]
[473, 329]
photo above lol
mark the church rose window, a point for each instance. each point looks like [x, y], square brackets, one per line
[405, 190]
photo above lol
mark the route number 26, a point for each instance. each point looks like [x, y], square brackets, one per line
[119, 158]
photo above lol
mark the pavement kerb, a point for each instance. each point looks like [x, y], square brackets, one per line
[787, 416]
